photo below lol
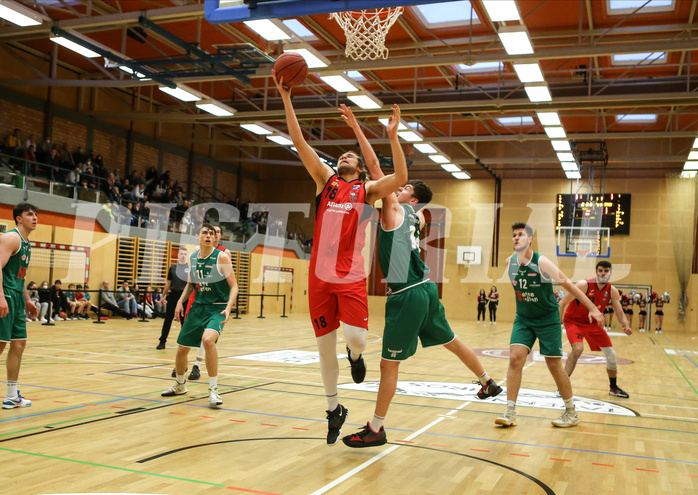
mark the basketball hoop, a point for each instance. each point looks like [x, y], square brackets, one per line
[366, 31]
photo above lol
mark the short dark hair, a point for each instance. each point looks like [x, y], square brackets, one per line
[23, 208]
[421, 191]
[57, 282]
[525, 226]
[604, 264]
[207, 226]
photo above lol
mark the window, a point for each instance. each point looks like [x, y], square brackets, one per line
[480, 67]
[515, 121]
[624, 7]
[637, 118]
[446, 14]
[639, 58]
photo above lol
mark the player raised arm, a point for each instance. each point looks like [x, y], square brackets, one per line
[315, 167]
[547, 267]
[391, 214]
[388, 184]
[615, 301]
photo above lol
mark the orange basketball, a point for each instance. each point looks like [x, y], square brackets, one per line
[292, 67]
[63, 315]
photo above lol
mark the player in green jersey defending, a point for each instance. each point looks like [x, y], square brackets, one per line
[211, 274]
[15, 253]
[538, 317]
[413, 311]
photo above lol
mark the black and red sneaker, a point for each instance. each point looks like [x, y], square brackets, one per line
[366, 438]
[490, 390]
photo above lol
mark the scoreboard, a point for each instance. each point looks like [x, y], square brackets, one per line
[598, 210]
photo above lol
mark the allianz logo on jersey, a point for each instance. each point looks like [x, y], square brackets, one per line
[341, 206]
[203, 287]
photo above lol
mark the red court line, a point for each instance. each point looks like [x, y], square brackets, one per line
[178, 414]
[118, 407]
[607, 465]
[249, 491]
[480, 450]
[564, 460]
[520, 455]
[266, 424]
[442, 446]
[403, 441]
[648, 470]
[302, 429]
[89, 404]
[236, 420]
[208, 417]
[691, 475]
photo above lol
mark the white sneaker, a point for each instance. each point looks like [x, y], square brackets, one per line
[74, 318]
[557, 393]
[568, 418]
[214, 399]
[177, 389]
[58, 318]
[507, 419]
[16, 401]
[43, 320]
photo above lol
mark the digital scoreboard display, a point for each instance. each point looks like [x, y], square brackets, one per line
[599, 210]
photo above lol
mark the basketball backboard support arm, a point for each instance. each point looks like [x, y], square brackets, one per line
[222, 11]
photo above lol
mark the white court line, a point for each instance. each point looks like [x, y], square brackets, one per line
[378, 457]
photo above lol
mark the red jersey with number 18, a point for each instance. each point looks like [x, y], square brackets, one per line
[340, 231]
[600, 297]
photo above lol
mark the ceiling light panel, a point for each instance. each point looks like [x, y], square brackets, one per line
[450, 167]
[341, 83]
[268, 30]
[19, 14]
[560, 145]
[461, 175]
[549, 118]
[365, 100]
[515, 40]
[529, 73]
[538, 92]
[555, 132]
[502, 10]
[425, 148]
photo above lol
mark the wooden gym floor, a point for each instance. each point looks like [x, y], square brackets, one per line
[99, 424]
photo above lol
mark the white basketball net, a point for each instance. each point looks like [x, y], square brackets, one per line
[366, 31]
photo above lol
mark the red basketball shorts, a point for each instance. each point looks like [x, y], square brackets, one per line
[329, 303]
[595, 335]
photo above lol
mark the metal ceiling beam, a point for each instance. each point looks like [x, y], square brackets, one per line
[107, 22]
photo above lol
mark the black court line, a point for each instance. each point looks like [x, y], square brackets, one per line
[544, 487]
[129, 412]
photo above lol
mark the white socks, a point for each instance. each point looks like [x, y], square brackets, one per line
[376, 423]
[11, 388]
[329, 367]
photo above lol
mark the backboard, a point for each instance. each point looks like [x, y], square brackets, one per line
[594, 242]
[228, 11]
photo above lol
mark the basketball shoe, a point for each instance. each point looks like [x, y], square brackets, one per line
[366, 437]
[16, 401]
[618, 392]
[489, 390]
[195, 373]
[177, 389]
[335, 420]
[507, 419]
[214, 399]
[568, 418]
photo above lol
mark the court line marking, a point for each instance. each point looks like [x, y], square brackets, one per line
[135, 471]
[378, 457]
